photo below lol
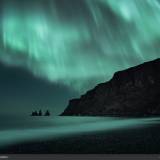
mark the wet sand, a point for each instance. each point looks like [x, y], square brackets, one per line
[143, 140]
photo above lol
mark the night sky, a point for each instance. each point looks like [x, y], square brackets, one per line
[54, 50]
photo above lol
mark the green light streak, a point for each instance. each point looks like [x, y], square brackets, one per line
[87, 46]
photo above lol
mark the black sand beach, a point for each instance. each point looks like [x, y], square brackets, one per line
[144, 140]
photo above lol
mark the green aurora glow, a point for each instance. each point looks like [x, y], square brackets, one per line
[79, 43]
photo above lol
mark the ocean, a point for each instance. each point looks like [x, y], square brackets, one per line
[17, 129]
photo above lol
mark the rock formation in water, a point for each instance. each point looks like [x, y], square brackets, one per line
[131, 92]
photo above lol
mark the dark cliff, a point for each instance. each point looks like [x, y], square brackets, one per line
[132, 92]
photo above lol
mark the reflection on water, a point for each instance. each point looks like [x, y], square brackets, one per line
[16, 129]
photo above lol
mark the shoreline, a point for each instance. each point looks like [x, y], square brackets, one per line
[145, 140]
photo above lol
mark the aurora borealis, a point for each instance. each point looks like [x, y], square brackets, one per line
[52, 51]
[78, 43]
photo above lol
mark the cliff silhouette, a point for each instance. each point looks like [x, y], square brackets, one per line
[131, 92]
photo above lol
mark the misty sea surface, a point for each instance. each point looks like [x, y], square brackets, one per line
[16, 129]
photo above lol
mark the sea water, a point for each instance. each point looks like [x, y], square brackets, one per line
[16, 129]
